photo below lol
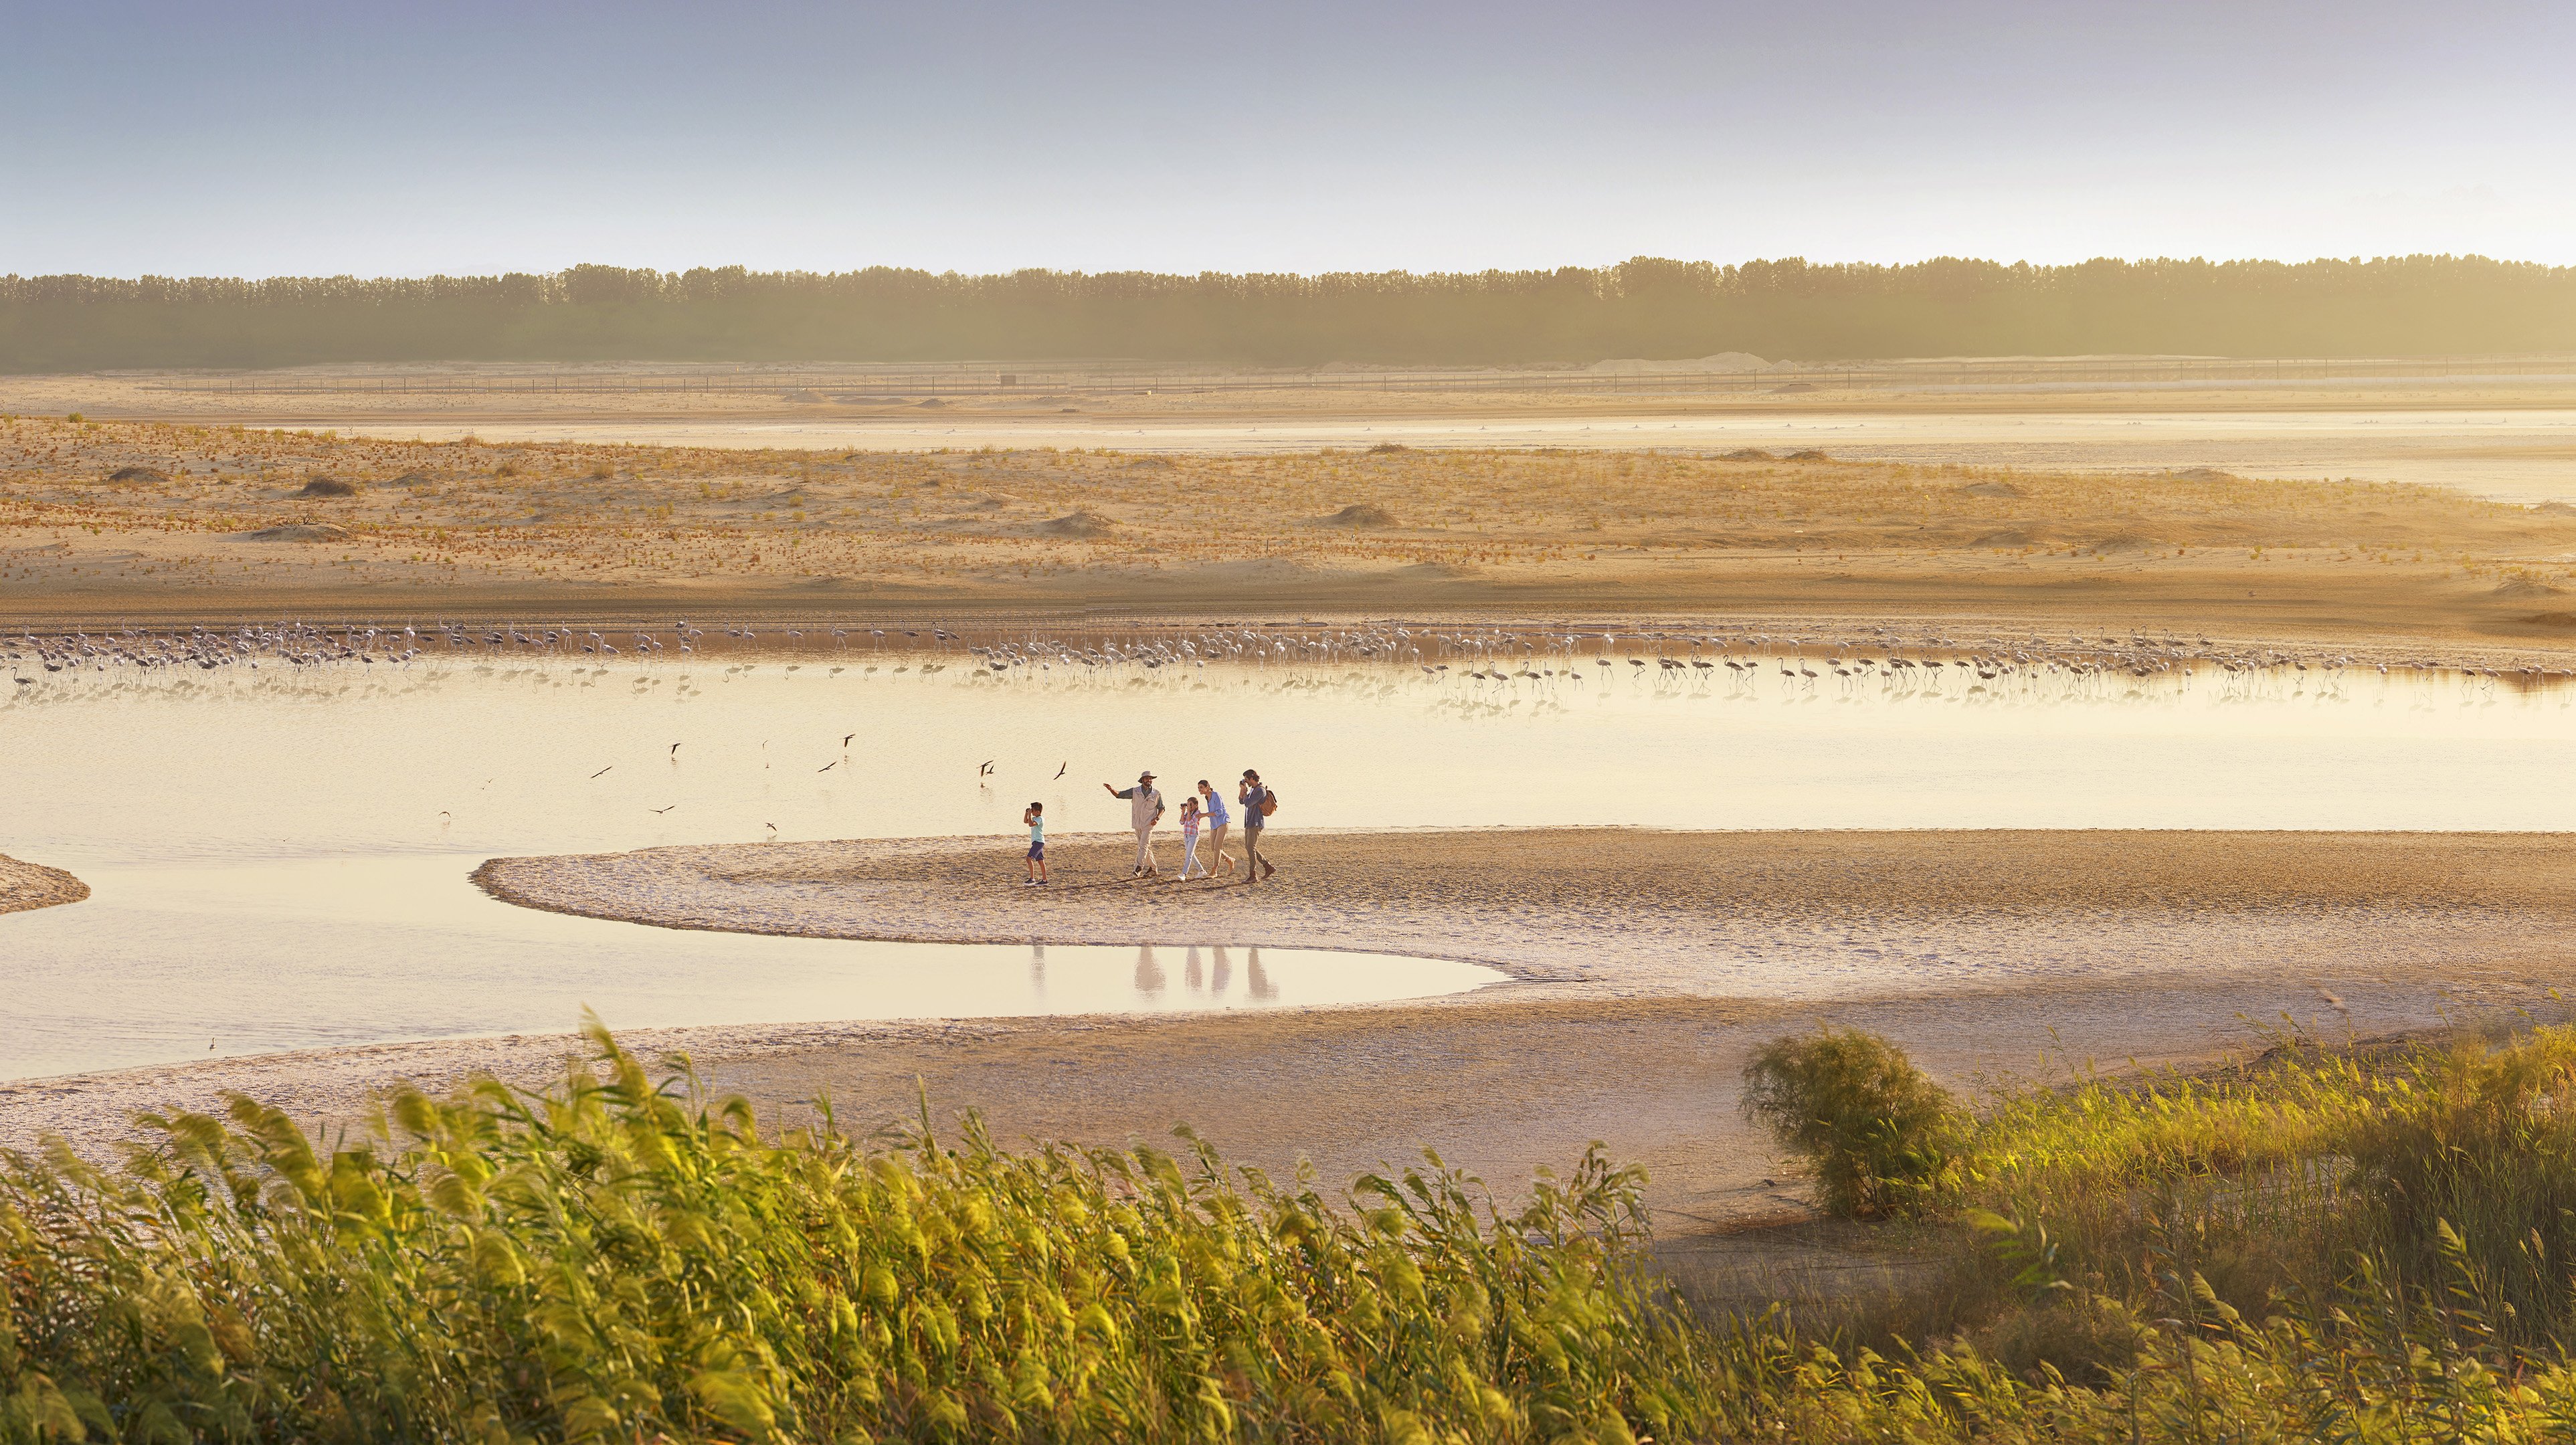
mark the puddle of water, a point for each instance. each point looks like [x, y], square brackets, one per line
[279, 857]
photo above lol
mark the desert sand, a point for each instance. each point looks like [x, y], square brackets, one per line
[2490, 427]
[111, 524]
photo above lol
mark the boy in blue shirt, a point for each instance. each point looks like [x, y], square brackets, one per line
[1035, 817]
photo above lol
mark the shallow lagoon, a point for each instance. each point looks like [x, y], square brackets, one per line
[279, 856]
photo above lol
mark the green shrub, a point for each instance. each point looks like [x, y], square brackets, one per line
[1875, 1129]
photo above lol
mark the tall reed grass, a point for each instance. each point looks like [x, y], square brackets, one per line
[2351, 1248]
[618, 1259]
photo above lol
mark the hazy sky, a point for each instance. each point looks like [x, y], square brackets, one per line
[183, 137]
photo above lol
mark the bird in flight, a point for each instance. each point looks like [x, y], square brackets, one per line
[675, 750]
[986, 770]
[1060, 767]
[827, 767]
[845, 741]
[602, 771]
[661, 810]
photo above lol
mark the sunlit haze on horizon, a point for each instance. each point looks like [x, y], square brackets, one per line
[267, 139]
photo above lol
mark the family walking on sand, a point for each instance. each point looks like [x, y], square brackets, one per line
[1203, 810]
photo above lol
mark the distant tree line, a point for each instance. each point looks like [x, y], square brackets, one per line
[1781, 310]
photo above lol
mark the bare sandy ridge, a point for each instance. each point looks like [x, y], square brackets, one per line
[1588, 912]
[32, 885]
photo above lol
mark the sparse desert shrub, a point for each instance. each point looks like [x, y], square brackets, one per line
[1876, 1130]
[1083, 523]
[1361, 514]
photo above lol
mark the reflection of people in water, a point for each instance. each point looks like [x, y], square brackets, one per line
[1258, 980]
[1037, 969]
[1191, 973]
[1223, 978]
[1149, 973]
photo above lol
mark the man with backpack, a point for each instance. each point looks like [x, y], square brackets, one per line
[1259, 802]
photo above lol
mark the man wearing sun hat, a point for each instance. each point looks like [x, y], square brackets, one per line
[1144, 810]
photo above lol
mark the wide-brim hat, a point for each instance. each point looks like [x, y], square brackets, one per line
[1144, 777]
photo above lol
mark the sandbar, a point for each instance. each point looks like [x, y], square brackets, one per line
[1621, 912]
[33, 885]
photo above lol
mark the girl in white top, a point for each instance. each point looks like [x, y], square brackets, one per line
[1190, 839]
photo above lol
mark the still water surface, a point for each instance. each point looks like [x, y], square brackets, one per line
[279, 857]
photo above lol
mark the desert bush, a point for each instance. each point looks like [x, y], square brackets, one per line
[1875, 1129]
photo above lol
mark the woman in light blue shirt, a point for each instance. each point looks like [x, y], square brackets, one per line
[1217, 818]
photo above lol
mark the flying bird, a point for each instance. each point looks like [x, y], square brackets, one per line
[602, 772]
[985, 770]
[845, 740]
[661, 810]
[1059, 772]
[675, 750]
[827, 767]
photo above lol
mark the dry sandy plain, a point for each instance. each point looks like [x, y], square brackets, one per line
[1618, 1025]
[2508, 436]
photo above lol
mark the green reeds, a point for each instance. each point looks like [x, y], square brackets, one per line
[616, 1260]
[2319, 1248]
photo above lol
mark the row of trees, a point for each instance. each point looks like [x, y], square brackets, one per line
[2394, 306]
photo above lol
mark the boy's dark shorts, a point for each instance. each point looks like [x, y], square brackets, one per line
[1037, 852]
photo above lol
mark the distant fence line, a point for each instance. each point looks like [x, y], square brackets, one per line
[858, 385]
